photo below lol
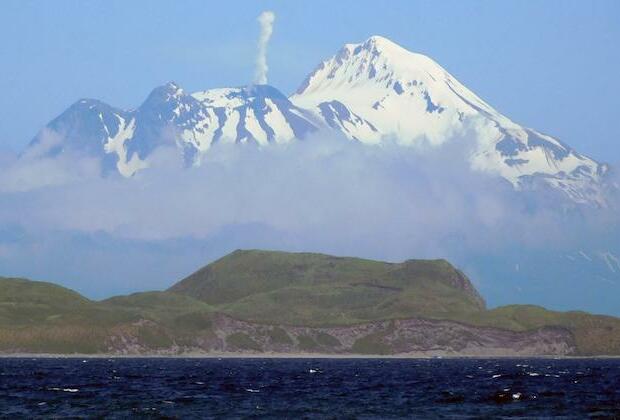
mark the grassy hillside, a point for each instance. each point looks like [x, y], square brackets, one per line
[43, 317]
[25, 302]
[157, 306]
[593, 334]
[182, 314]
[316, 289]
[38, 316]
[272, 289]
[319, 290]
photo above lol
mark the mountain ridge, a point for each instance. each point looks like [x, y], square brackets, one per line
[368, 92]
[410, 97]
[267, 276]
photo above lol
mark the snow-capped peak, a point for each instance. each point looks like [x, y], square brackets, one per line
[165, 93]
[256, 113]
[379, 76]
[369, 91]
[410, 98]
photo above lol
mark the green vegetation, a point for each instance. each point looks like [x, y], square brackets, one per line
[327, 340]
[307, 343]
[43, 317]
[273, 289]
[371, 344]
[242, 341]
[593, 334]
[163, 307]
[278, 336]
[26, 302]
[321, 290]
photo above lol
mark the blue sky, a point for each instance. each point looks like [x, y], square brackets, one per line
[552, 65]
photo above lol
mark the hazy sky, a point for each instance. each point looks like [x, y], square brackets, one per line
[552, 65]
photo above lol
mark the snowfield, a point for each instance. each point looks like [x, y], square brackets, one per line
[371, 92]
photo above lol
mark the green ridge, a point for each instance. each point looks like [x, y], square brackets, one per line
[316, 289]
[278, 289]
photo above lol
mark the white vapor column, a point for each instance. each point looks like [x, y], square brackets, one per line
[265, 20]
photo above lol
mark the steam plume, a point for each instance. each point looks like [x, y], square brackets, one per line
[265, 20]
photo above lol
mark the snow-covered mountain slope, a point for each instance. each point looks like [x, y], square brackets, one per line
[392, 93]
[370, 92]
[259, 113]
[125, 139]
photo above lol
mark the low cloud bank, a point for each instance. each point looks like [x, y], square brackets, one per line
[323, 194]
[322, 186]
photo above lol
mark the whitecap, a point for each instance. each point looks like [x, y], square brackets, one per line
[496, 376]
[252, 390]
[64, 389]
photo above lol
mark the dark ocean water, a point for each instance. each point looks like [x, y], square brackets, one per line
[310, 388]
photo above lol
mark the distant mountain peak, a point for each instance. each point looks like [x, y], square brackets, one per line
[369, 92]
[380, 44]
[165, 93]
[238, 96]
[170, 87]
[409, 97]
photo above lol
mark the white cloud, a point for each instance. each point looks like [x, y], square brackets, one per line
[325, 188]
[33, 171]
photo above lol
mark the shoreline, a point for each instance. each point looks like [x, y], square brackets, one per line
[283, 356]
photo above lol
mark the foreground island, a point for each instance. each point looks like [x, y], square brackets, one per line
[277, 303]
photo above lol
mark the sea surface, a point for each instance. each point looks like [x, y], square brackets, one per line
[309, 388]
